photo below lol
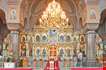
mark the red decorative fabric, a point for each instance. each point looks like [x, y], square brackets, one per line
[56, 65]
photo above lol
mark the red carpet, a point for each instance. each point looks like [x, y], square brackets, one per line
[56, 68]
[87, 69]
[15, 68]
[104, 68]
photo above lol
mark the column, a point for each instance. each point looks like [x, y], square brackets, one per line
[104, 53]
[1, 49]
[14, 42]
[91, 48]
[1, 55]
[1, 45]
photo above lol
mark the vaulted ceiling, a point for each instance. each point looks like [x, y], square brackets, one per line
[32, 10]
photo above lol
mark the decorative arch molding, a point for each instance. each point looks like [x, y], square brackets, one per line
[71, 12]
[44, 37]
[102, 26]
[3, 26]
[25, 6]
[2, 16]
[38, 38]
[103, 16]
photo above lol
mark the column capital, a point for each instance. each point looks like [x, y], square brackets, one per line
[13, 26]
[91, 26]
[90, 32]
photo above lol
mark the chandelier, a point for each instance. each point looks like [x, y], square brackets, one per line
[54, 16]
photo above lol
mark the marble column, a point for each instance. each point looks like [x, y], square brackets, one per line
[91, 48]
[90, 34]
[14, 42]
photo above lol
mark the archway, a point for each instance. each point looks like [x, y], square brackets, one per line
[3, 27]
[53, 35]
[3, 32]
[102, 33]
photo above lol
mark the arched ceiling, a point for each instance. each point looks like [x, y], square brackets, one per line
[25, 7]
[32, 9]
